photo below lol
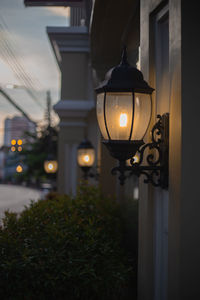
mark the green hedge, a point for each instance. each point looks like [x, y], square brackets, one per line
[64, 248]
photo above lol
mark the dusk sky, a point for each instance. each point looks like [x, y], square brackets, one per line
[25, 47]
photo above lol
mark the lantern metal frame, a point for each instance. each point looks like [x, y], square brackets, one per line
[86, 144]
[125, 78]
[156, 167]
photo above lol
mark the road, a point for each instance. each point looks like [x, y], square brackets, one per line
[15, 197]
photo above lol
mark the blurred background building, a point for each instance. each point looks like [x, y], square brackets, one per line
[16, 128]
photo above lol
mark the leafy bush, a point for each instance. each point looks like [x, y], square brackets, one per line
[64, 248]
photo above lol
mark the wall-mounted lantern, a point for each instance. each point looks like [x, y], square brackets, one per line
[124, 109]
[86, 158]
[50, 165]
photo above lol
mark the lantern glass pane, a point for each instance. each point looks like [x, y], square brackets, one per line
[86, 157]
[100, 115]
[50, 166]
[119, 112]
[142, 115]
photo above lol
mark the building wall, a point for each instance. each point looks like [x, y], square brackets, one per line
[169, 243]
[175, 163]
[184, 205]
[7, 132]
[15, 128]
[153, 239]
[190, 108]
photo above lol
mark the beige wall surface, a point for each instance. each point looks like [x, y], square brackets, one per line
[147, 259]
[175, 162]
[184, 204]
[146, 201]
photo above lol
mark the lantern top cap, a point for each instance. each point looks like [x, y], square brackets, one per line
[50, 157]
[124, 59]
[124, 78]
[85, 144]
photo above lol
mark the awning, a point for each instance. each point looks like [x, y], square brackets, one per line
[53, 2]
[114, 24]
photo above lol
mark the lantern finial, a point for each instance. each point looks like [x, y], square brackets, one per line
[124, 60]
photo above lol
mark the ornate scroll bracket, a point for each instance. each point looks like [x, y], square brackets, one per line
[155, 166]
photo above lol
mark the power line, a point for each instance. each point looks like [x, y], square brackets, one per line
[16, 69]
[5, 27]
[9, 56]
[16, 105]
[26, 89]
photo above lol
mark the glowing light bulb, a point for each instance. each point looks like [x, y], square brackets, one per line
[13, 142]
[136, 158]
[19, 142]
[123, 120]
[19, 169]
[86, 158]
[50, 166]
[13, 149]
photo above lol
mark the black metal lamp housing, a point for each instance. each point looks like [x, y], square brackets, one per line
[124, 109]
[85, 157]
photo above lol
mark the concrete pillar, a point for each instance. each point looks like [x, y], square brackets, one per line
[73, 124]
[71, 47]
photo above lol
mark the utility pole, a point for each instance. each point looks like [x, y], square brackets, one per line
[49, 108]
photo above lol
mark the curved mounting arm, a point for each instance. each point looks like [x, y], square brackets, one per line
[156, 170]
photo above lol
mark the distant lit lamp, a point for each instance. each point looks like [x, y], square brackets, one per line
[19, 169]
[19, 148]
[50, 165]
[12, 86]
[19, 142]
[85, 157]
[13, 149]
[13, 142]
[124, 109]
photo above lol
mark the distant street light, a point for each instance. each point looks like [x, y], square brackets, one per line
[13, 149]
[50, 163]
[13, 142]
[19, 142]
[12, 86]
[19, 169]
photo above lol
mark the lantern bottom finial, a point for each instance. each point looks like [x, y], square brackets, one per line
[123, 150]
